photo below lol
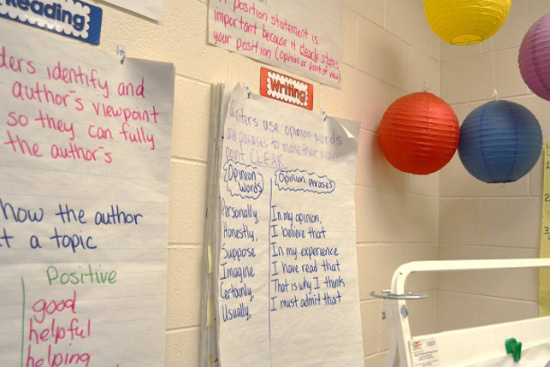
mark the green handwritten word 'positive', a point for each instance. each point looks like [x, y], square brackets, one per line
[89, 276]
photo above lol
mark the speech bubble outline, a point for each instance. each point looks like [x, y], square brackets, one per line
[240, 171]
[301, 180]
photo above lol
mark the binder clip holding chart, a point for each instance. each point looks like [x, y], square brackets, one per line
[324, 114]
[121, 51]
[247, 90]
[481, 346]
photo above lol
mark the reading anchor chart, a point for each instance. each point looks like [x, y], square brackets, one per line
[287, 291]
[84, 154]
[304, 37]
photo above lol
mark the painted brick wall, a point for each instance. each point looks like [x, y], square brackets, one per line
[479, 220]
[389, 51]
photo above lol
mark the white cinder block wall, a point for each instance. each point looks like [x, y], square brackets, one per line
[388, 51]
[479, 220]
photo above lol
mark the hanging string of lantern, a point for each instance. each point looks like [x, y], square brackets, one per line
[498, 142]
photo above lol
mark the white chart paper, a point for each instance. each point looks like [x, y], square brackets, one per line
[149, 8]
[84, 156]
[287, 267]
[304, 37]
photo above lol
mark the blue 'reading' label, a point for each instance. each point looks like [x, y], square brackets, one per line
[71, 18]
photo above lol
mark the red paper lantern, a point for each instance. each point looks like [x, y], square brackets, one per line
[419, 133]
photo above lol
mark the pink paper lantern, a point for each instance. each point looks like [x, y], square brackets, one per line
[534, 57]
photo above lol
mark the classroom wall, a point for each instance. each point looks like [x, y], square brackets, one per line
[479, 220]
[388, 52]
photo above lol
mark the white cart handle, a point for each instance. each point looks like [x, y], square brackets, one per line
[402, 272]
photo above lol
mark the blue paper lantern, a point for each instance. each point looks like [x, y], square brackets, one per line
[500, 142]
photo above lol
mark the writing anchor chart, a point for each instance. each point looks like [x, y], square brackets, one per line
[299, 36]
[84, 153]
[287, 266]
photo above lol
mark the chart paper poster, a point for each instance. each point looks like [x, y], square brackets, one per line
[287, 268]
[303, 37]
[149, 8]
[544, 274]
[84, 155]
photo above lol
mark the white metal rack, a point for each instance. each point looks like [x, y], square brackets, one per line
[463, 347]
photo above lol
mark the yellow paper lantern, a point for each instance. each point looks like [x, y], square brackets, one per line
[465, 22]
